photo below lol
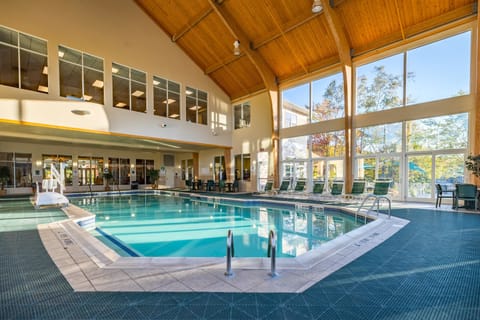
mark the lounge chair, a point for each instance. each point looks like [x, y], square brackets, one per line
[318, 187]
[300, 186]
[284, 186]
[335, 192]
[268, 186]
[358, 190]
[380, 192]
[337, 188]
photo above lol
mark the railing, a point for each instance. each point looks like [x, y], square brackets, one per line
[57, 177]
[230, 253]
[272, 253]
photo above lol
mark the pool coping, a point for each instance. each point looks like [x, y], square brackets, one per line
[90, 265]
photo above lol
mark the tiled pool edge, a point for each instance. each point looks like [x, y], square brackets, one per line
[88, 265]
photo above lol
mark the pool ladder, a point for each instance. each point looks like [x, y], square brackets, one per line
[230, 253]
[376, 200]
[271, 253]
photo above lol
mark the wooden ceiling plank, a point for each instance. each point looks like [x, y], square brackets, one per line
[286, 28]
[262, 67]
[458, 16]
[448, 17]
[289, 44]
[223, 63]
[191, 25]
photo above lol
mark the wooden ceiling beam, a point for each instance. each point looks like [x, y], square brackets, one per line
[399, 18]
[337, 30]
[267, 75]
[191, 25]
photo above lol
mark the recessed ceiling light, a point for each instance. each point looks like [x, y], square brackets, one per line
[45, 70]
[42, 88]
[169, 101]
[121, 105]
[175, 115]
[156, 83]
[138, 93]
[98, 84]
[194, 108]
[188, 92]
[114, 70]
[61, 54]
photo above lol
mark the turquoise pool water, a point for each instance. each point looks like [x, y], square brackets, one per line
[168, 226]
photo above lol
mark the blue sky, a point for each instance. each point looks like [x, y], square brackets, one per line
[441, 69]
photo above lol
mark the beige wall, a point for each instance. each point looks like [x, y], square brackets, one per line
[117, 31]
[261, 128]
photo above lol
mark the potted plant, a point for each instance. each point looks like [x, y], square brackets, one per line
[473, 164]
[4, 178]
[154, 175]
[107, 177]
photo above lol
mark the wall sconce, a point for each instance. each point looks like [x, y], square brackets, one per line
[38, 163]
[236, 48]
[317, 6]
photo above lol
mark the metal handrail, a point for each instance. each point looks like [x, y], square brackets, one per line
[272, 253]
[376, 201]
[230, 253]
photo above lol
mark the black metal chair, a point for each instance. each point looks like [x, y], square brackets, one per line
[442, 192]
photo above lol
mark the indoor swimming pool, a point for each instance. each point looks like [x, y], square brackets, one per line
[163, 225]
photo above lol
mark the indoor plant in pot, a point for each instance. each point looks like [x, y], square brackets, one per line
[154, 175]
[473, 164]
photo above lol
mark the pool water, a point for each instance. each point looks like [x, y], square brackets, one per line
[169, 226]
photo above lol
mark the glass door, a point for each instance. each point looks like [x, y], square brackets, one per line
[419, 173]
[262, 170]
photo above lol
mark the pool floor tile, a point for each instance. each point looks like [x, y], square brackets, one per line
[430, 269]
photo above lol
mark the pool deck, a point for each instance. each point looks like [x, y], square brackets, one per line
[429, 269]
[89, 265]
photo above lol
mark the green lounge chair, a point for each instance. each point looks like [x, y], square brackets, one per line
[300, 186]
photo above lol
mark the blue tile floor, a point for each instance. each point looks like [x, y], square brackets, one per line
[430, 269]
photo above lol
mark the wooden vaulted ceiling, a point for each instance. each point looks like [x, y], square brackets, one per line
[281, 40]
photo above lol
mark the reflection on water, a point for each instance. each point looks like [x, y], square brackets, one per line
[172, 226]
